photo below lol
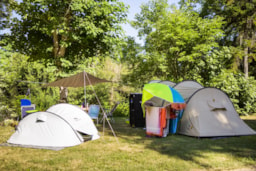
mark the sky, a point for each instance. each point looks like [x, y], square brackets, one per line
[135, 8]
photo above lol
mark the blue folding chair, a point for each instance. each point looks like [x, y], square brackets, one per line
[26, 107]
[94, 111]
[25, 102]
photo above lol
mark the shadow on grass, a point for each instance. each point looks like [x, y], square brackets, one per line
[188, 148]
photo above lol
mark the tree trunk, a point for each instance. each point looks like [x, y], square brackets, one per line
[60, 50]
[246, 66]
[56, 48]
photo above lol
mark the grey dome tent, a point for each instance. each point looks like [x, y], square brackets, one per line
[62, 125]
[187, 88]
[210, 113]
[166, 82]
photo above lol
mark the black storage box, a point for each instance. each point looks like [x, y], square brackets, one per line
[136, 113]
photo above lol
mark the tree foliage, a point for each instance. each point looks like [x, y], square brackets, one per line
[179, 44]
[239, 28]
[19, 79]
[107, 93]
[149, 15]
[186, 40]
[241, 91]
[209, 43]
[183, 44]
[72, 30]
[5, 13]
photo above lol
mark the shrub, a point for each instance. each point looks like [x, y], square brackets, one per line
[241, 91]
[122, 110]
[24, 77]
[10, 122]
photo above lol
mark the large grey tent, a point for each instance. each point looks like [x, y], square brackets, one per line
[187, 88]
[169, 83]
[62, 125]
[210, 113]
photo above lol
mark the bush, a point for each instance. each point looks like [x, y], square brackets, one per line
[122, 110]
[10, 122]
[24, 77]
[241, 91]
[5, 111]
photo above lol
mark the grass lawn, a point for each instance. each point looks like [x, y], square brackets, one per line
[134, 152]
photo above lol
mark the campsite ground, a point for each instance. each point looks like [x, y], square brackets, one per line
[132, 150]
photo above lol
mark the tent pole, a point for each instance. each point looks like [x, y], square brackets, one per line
[104, 114]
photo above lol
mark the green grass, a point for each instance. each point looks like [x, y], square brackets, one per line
[134, 152]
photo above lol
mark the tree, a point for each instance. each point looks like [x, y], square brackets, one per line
[5, 13]
[149, 15]
[108, 93]
[179, 45]
[145, 64]
[18, 77]
[239, 27]
[131, 52]
[62, 31]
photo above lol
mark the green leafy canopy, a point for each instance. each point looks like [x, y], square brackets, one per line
[70, 29]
